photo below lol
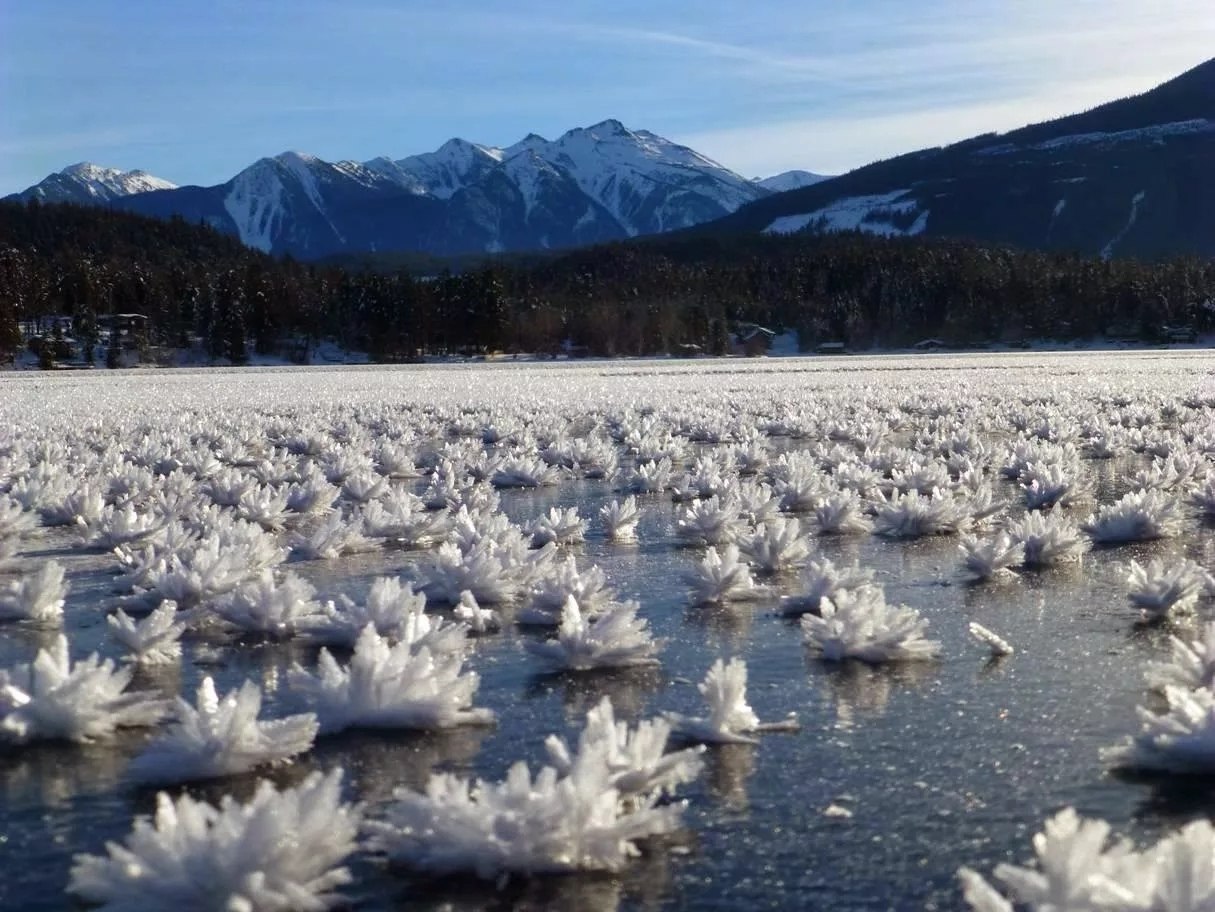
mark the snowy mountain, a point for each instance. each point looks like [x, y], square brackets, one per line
[790, 180]
[1127, 178]
[88, 183]
[592, 184]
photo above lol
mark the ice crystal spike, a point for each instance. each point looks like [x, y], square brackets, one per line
[281, 852]
[858, 624]
[54, 699]
[731, 719]
[221, 737]
[390, 687]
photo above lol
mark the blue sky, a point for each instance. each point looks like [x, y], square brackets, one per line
[193, 91]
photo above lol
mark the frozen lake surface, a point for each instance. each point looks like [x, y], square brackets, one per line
[938, 764]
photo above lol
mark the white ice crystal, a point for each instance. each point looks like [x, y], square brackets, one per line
[992, 640]
[332, 538]
[776, 545]
[278, 609]
[637, 758]
[821, 579]
[54, 699]
[1158, 590]
[617, 638]
[859, 624]
[155, 640]
[479, 620]
[281, 852]
[713, 521]
[553, 823]
[1048, 538]
[392, 607]
[912, 515]
[387, 686]
[841, 513]
[1138, 516]
[37, 597]
[991, 557]
[524, 472]
[482, 570]
[723, 577]
[562, 527]
[1191, 663]
[620, 519]
[560, 582]
[1179, 740]
[1078, 868]
[731, 719]
[216, 738]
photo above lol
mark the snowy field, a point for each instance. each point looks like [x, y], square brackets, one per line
[787, 634]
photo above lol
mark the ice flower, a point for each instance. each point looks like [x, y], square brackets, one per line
[393, 608]
[481, 570]
[723, 577]
[776, 545]
[562, 527]
[731, 719]
[993, 557]
[912, 515]
[1191, 663]
[524, 472]
[617, 638]
[37, 597]
[551, 824]
[53, 699]
[1157, 590]
[636, 758]
[648, 477]
[821, 579]
[840, 513]
[1048, 539]
[1078, 869]
[217, 738]
[155, 640]
[15, 520]
[709, 522]
[123, 526]
[560, 582]
[620, 519]
[858, 624]
[281, 852]
[479, 620]
[332, 538]
[1138, 516]
[272, 608]
[1179, 740]
[389, 687]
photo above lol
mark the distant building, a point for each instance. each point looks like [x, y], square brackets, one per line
[751, 340]
[831, 348]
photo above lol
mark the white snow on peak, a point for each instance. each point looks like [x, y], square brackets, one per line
[255, 204]
[871, 214]
[451, 167]
[301, 166]
[529, 172]
[1108, 250]
[108, 183]
[789, 180]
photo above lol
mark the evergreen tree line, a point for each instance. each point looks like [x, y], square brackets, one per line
[196, 286]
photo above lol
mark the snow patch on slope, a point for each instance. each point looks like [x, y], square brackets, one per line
[789, 180]
[255, 204]
[1154, 132]
[1108, 250]
[871, 214]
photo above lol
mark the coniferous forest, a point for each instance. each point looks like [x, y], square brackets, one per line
[197, 287]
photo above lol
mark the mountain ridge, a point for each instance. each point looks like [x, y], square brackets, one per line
[591, 184]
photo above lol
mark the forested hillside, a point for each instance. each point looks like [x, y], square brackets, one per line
[198, 287]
